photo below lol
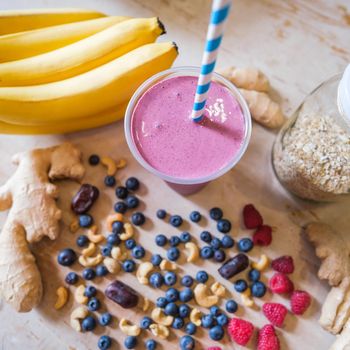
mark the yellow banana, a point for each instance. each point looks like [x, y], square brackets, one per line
[20, 20]
[35, 42]
[82, 55]
[86, 94]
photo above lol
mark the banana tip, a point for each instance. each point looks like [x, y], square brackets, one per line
[161, 26]
[176, 47]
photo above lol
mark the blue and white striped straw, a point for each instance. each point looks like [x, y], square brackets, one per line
[220, 10]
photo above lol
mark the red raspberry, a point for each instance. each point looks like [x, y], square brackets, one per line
[283, 264]
[214, 348]
[263, 235]
[251, 217]
[300, 301]
[240, 330]
[275, 313]
[280, 283]
[267, 339]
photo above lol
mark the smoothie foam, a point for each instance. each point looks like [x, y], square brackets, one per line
[172, 143]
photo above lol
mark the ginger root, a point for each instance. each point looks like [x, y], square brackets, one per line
[33, 214]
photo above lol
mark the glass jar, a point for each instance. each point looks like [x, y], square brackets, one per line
[311, 155]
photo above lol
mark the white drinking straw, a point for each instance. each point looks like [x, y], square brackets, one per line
[219, 14]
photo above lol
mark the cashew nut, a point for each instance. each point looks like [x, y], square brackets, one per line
[128, 328]
[167, 265]
[159, 330]
[77, 314]
[110, 164]
[74, 225]
[111, 264]
[121, 163]
[262, 264]
[90, 250]
[202, 297]
[143, 271]
[62, 297]
[79, 295]
[196, 317]
[118, 254]
[112, 218]
[159, 317]
[193, 251]
[246, 299]
[88, 261]
[218, 289]
[129, 232]
[93, 235]
[146, 304]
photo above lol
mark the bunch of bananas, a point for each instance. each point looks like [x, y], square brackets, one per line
[63, 70]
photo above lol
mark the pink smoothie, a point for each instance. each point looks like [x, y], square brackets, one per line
[172, 143]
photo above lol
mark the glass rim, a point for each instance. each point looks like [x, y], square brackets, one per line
[195, 72]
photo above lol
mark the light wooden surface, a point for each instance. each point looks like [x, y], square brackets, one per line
[298, 44]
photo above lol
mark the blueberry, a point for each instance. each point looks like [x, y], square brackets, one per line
[117, 227]
[206, 236]
[94, 159]
[138, 219]
[121, 192]
[222, 320]
[223, 226]
[130, 243]
[227, 242]
[106, 250]
[175, 220]
[82, 241]
[240, 286]
[187, 281]
[101, 270]
[88, 323]
[187, 343]
[184, 310]
[202, 277]
[208, 321]
[231, 306]
[105, 342]
[161, 240]
[132, 184]
[190, 328]
[173, 254]
[109, 181]
[94, 304]
[161, 214]
[186, 295]
[130, 342]
[156, 259]
[171, 309]
[195, 216]
[170, 278]
[215, 243]
[105, 319]
[178, 323]
[185, 237]
[132, 202]
[120, 207]
[174, 241]
[90, 291]
[161, 302]
[89, 274]
[156, 280]
[113, 239]
[85, 220]
[172, 295]
[245, 245]
[216, 333]
[216, 213]
[138, 252]
[254, 275]
[71, 278]
[151, 344]
[128, 265]
[214, 310]
[258, 289]
[219, 255]
[145, 322]
[207, 252]
[66, 257]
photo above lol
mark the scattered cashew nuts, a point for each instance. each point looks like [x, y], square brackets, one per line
[159, 330]
[110, 164]
[121, 163]
[167, 265]
[262, 264]
[246, 299]
[62, 297]
[77, 314]
[196, 317]
[93, 235]
[129, 329]
[112, 218]
[202, 298]
[146, 304]
[74, 225]
[111, 264]
[143, 271]
[193, 251]
[218, 289]
[88, 261]
[118, 254]
[129, 232]
[79, 295]
[90, 250]
[159, 317]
